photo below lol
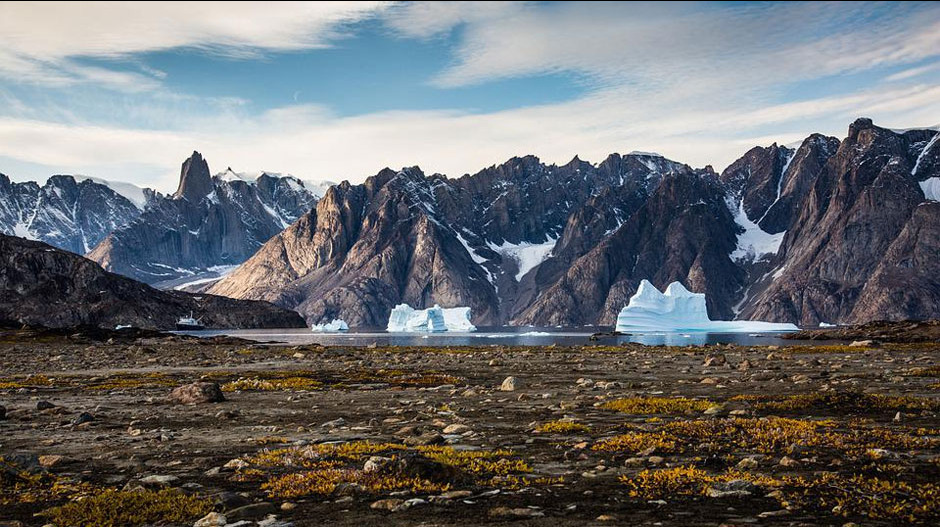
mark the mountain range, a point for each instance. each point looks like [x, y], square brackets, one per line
[828, 230]
[209, 225]
[43, 285]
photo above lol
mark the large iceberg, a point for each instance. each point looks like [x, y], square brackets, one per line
[405, 318]
[330, 327]
[679, 309]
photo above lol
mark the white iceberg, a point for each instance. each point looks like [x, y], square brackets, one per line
[330, 327]
[405, 318]
[678, 309]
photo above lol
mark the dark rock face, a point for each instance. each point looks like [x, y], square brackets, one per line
[195, 180]
[42, 285]
[71, 215]
[406, 237]
[207, 224]
[857, 249]
[684, 232]
[858, 239]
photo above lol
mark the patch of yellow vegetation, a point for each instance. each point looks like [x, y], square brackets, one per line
[633, 442]
[850, 402]
[562, 427]
[658, 405]
[326, 481]
[20, 486]
[930, 371]
[476, 462]
[30, 381]
[114, 508]
[767, 435]
[869, 497]
[681, 481]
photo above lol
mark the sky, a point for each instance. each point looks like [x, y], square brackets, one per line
[334, 91]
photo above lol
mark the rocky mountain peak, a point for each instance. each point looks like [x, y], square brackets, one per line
[195, 180]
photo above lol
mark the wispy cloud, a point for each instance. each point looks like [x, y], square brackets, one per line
[41, 40]
[698, 82]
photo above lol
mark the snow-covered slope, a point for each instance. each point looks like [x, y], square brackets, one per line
[137, 195]
[209, 223]
[70, 214]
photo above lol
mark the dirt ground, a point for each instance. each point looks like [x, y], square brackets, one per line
[625, 435]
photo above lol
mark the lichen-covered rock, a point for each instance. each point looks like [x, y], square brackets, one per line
[197, 393]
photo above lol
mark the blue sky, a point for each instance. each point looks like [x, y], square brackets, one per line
[336, 91]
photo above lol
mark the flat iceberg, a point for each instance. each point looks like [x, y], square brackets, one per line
[330, 327]
[405, 318]
[678, 309]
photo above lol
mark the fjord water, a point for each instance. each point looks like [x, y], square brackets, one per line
[507, 336]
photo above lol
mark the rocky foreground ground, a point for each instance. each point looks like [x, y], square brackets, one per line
[98, 432]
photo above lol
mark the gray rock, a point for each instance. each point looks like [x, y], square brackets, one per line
[252, 511]
[510, 384]
[197, 393]
[389, 504]
[83, 418]
[509, 512]
[213, 519]
[159, 480]
[376, 464]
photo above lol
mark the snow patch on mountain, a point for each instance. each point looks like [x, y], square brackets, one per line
[132, 192]
[754, 242]
[920, 157]
[527, 255]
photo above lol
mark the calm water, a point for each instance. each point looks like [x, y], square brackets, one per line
[510, 336]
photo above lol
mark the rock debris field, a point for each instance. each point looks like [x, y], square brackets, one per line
[165, 430]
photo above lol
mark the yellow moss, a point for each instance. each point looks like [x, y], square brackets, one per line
[658, 405]
[768, 435]
[113, 508]
[355, 450]
[475, 462]
[633, 442]
[324, 467]
[681, 481]
[30, 381]
[20, 486]
[271, 440]
[869, 497]
[289, 457]
[562, 427]
[850, 402]
[930, 371]
[325, 481]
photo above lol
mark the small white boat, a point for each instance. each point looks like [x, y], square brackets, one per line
[189, 323]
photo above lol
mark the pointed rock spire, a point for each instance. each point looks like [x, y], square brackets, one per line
[195, 180]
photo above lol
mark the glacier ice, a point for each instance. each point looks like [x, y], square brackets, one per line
[433, 319]
[931, 188]
[678, 309]
[337, 324]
